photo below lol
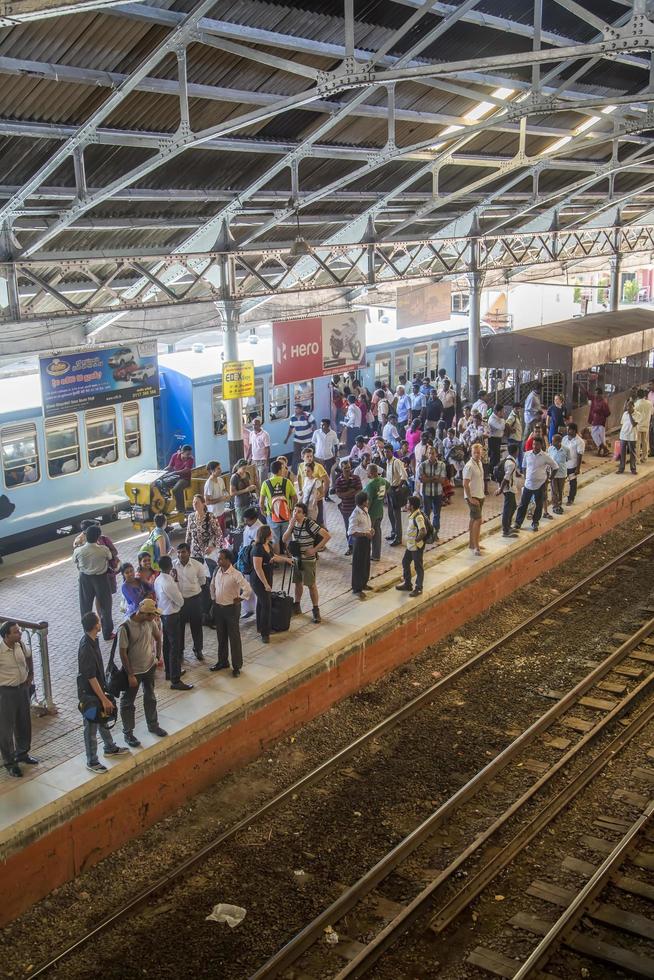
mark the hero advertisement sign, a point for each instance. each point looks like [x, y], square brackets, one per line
[72, 381]
[322, 345]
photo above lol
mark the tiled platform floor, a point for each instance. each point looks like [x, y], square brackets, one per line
[42, 585]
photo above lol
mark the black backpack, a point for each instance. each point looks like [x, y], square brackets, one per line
[498, 472]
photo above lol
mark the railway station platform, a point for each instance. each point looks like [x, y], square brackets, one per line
[61, 818]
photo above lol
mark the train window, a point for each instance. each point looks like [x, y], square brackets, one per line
[401, 366]
[303, 395]
[20, 456]
[219, 413]
[132, 429]
[460, 302]
[278, 402]
[253, 406]
[420, 360]
[62, 445]
[382, 370]
[433, 361]
[101, 436]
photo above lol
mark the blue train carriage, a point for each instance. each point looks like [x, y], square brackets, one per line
[191, 408]
[58, 471]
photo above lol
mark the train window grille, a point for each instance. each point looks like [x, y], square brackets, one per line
[401, 366]
[219, 411]
[382, 369]
[20, 455]
[303, 395]
[253, 406]
[101, 436]
[62, 446]
[420, 360]
[132, 429]
[278, 402]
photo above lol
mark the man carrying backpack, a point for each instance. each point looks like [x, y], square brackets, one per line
[416, 536]
[276, 501]
[306, 539]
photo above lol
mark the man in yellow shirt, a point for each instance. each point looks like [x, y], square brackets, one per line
[319, 472]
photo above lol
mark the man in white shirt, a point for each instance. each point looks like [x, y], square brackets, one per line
[325, 446]
[250, 527]
[418, 404]
[576, 448]
[473, 491]
[395, 473]
[216, 492]
[643, 411]
[448, 398]
[360, 534]
[352, 422]
[538, 467]
[390, 432]
[170, 601]
[16, 675]
[92, 560]
[533, 409]
[507, 488]
[259, 449]
[481, 405]
[496, 425]
[191, 577]
[228, 589]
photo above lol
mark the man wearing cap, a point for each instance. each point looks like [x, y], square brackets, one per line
[135, 642]
[259, 449]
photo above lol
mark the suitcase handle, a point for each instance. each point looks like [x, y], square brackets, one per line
[290, 575]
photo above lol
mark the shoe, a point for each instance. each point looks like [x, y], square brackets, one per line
[510, 534]
[181, 686]
[316, 614]
[568, 502]
[367, 588]
[265, 639]
[28, 760]
[558, 510]
[248, 614]
[404, 588]
[389, 537]
[516, 527]
[96, 767]
[547, 517]
[132, 740]
[297, 609]
[476, 552]
[359, 595]
[158, 730]
[414, 593]
[375, 559]
[116, 750]
[534, 527]
[199, 655]
[396, 544]
[236, 672]
[219, 667]
[14, 769]
[348, 552]
[181, 673]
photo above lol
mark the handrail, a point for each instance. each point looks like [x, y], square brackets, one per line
[41, 631]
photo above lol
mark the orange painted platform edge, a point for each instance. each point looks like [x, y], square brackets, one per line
[63, 851]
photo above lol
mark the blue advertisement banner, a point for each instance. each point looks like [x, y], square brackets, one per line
[97, 376]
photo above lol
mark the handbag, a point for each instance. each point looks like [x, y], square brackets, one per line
[116, 677]
[401, 493]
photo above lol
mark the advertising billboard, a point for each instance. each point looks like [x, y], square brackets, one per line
[322, 345]
[72, 381]
[421, 304]
[238, 379]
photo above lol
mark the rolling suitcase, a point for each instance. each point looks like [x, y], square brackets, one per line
[281, 607]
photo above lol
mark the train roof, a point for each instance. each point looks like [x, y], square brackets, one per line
[21, 395]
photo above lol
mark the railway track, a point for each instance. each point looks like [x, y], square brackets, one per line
[609, 708]
[592, 905]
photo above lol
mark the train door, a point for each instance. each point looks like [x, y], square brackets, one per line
[401, 367]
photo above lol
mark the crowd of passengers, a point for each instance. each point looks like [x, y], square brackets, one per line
[398, 454]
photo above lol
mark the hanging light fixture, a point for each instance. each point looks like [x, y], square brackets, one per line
[299, 246]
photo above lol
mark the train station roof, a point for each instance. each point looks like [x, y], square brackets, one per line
[143, 129]
[600, 338]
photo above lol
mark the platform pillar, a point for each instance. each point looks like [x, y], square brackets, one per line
[233, 407]
[614, 288]
[476, 281]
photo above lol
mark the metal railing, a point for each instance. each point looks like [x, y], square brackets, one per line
[40, 632]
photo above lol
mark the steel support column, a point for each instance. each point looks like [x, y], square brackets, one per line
[476, 281]
[614, 288]
[233, 407]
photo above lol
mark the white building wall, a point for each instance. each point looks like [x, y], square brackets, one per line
[533, 305]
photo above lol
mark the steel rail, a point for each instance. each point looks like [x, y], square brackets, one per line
[406, 711]
[302, 941]
[398, 926]
[571, 916]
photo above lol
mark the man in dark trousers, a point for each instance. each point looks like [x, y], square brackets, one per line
[360, 533]
[96, 707]
[16, 676]
[228, 588]
[92, 560]
[171, 601]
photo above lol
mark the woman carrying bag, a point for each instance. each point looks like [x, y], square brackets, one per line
[261, 577]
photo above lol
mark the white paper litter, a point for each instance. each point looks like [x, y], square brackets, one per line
[231, 914]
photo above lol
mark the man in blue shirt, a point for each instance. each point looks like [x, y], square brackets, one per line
[403, 409]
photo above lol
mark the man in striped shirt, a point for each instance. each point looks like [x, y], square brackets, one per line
[301, 426]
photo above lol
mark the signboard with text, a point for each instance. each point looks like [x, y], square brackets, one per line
[238, 379]
[72, 381]
[318, 346]
[420, 304]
